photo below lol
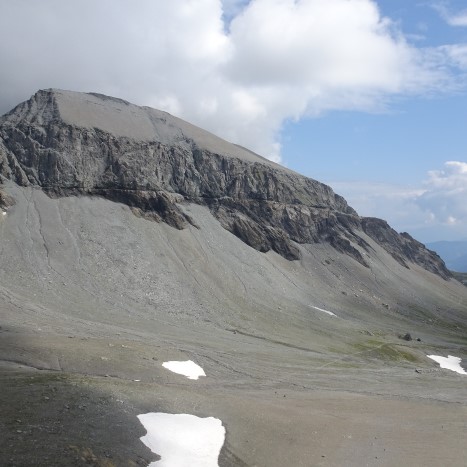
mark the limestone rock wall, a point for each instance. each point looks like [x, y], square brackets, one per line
[266, 206]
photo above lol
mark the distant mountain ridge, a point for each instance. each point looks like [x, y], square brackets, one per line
[454, 253]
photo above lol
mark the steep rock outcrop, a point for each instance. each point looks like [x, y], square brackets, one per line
[402, 247]
[89, 144]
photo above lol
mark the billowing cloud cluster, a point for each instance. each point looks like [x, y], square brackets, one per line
[435, 210]
[445, 198]
[237, 68]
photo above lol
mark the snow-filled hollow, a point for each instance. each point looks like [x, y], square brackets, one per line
[188, 368]
[330, 313]
[449, 363]
[182, 439]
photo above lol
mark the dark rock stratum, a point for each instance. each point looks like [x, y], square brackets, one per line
[71, 143]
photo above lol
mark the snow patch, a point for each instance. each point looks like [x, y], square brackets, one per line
[450, 363]
[182, 439]
[189, 369]
[330, 313]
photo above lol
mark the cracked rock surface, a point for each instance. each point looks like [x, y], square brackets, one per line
[71, 143]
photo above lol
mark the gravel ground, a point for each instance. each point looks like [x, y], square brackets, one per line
[93, 298]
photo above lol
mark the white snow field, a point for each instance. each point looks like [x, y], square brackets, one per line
[182, 439]
[189, 369]
[450, 363]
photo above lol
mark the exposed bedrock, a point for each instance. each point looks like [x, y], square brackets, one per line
[86, 144]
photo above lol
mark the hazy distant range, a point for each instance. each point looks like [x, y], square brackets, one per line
[454, 253]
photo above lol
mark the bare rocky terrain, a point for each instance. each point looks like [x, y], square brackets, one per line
[131, 238]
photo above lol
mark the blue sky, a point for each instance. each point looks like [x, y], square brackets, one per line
[368, 96]
[361, 153]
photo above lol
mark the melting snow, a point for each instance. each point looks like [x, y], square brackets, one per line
[324, 311]
[182, 439]
[189, 369]
[449, 362]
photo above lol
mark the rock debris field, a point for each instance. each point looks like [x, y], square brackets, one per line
[138, 253]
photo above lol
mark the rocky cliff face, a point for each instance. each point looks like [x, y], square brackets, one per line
[87, 144]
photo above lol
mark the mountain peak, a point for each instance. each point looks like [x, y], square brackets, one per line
[71, 143]
[122, 119]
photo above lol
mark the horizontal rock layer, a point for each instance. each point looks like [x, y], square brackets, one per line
[152, 162]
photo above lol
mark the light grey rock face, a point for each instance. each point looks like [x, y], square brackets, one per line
[76, 143]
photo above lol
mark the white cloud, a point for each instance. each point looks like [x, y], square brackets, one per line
[453, 19]
[435, 210]
[393, 203]
[458, 20]
[445, 198]
[317, 44]
[455, 55]
[276, 60]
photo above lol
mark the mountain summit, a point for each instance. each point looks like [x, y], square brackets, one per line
[75, 143]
